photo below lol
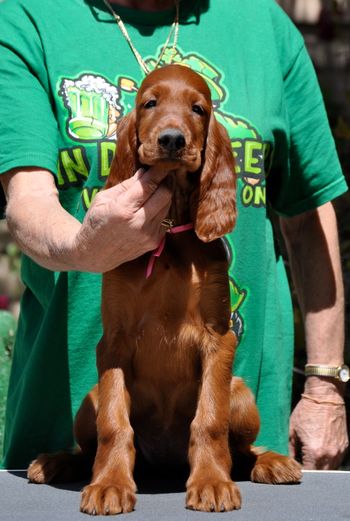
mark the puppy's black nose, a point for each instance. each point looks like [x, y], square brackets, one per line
[171, 139]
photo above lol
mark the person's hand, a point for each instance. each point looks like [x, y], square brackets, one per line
[123, 222]
[318, 432]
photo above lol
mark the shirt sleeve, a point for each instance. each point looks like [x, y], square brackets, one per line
[306, 172]
[28, 129]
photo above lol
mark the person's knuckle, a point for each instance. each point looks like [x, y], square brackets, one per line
[336, 452]
[98, 199]
[317, 454]
[122, 187]
[150, 240]
[125, 214]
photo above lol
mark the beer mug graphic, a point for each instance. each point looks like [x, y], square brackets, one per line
[93, 105]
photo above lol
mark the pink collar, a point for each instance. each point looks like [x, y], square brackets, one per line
[157, 253]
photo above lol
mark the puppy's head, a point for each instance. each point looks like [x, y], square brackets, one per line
[173, 125]
[173, 109]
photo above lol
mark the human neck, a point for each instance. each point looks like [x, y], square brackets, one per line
[146, 5]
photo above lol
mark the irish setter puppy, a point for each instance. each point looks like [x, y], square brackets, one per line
[165, 358]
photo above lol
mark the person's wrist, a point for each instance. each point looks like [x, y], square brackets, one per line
[78, 252]
[324, 387]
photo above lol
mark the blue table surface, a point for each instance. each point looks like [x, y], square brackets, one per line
[322, 496]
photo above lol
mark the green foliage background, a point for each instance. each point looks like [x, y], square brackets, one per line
[5, 363]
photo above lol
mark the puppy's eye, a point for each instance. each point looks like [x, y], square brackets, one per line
[198, 109]
[150, 104]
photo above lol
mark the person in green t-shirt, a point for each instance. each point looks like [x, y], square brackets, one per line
[68, 74]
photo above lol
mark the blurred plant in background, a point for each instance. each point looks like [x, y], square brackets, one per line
[10, 293]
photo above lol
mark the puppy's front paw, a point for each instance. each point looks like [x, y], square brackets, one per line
[101, 499]
[274, 468]
[213, 496]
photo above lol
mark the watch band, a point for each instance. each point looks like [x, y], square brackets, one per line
[321, 370]
[341, 372]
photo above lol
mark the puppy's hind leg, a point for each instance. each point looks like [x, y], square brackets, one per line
[261, 465]
[64, 467]
[244, 428]
[273, 468]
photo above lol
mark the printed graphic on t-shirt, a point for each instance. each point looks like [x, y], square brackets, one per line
[93, 105]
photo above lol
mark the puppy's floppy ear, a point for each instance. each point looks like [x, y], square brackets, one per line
[125, 162]
[214, 205]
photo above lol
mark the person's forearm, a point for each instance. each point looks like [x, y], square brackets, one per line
[40, 226]
[313, 250]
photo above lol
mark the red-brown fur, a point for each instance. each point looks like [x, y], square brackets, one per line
[166, 354]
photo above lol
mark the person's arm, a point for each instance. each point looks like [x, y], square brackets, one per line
[122, 223]
[318, 423]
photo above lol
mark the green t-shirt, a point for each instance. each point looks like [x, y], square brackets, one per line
[67, 74]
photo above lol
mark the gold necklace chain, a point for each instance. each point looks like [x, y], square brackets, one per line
[174, 31]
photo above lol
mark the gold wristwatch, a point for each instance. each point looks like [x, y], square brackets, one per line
[341, 372]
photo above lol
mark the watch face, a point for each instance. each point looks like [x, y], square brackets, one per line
[344, 373]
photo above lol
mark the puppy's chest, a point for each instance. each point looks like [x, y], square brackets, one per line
[169, 317]
[166, 326]
[186, 294]
[172, 294]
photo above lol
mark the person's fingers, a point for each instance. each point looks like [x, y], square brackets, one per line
[292, 444]
[157, 206]
[141, 186]
[308, 460]
[125, 185]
